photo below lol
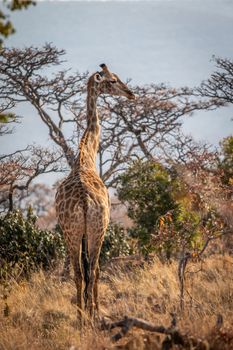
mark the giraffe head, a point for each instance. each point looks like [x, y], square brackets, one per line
[110, 83]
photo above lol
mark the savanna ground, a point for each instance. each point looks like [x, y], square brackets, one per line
[40, 313]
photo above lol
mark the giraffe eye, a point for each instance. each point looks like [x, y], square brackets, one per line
[113, 81]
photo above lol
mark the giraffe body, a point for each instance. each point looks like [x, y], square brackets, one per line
[82, 202]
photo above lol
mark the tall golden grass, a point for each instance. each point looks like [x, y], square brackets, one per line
[39, 313]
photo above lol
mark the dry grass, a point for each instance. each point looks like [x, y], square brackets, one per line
[39, 313]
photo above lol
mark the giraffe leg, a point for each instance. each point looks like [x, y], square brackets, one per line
[97, 216]
[94, 259]
[78, 278]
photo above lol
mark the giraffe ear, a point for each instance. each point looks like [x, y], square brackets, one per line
[98, 77]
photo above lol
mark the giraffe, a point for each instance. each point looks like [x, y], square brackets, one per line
[82, 201]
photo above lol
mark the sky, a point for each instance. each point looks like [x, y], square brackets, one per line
[157, 41]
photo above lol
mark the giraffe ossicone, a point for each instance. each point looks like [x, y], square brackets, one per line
[82, 201]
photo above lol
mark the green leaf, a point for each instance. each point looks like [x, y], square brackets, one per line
[5, 118]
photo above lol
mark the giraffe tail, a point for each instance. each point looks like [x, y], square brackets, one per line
[85, 263]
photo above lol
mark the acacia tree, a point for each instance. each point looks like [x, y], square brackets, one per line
[208, 174]
[145, 128]
[19, 169]
[219, 86]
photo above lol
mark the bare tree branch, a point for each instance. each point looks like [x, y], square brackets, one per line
[219, 87]
[19, 169]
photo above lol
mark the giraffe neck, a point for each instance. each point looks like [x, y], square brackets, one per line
[89, 144]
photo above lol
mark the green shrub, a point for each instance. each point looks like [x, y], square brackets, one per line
[116, 243]
[147, 189]
[24, 246]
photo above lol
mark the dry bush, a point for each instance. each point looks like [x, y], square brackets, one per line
[39, 314]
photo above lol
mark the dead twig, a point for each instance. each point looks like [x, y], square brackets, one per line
[188, 256]
[181, 274]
